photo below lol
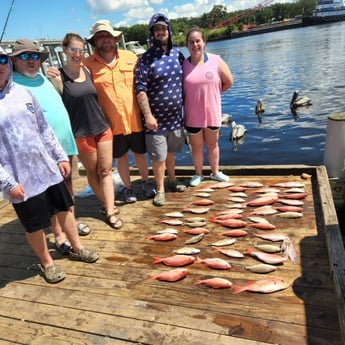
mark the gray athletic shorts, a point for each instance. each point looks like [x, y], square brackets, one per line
[158, 145]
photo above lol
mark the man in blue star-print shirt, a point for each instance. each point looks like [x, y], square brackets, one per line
[158, 85]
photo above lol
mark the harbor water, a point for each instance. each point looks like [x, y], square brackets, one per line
[272, 66]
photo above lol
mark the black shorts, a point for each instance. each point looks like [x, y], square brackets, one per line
[36, 212]
[195, 130]
[134, 142]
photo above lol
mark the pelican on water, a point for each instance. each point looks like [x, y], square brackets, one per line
[297, 102]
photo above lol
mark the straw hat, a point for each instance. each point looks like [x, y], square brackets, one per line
[24, 45]
[102, 25]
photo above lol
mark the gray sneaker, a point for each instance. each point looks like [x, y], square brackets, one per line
[129, 196]
[85, 255]
[177, 186]
[159, 199]
[148, 189]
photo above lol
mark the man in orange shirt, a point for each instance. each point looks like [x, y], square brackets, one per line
[112, 70]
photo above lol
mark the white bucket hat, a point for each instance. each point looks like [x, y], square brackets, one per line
[102, 25]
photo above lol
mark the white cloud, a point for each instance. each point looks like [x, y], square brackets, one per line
[106, 6]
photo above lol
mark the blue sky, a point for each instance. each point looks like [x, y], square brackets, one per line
[37, 19]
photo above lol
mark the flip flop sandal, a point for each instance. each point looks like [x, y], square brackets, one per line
[118, 222]
[104, 211]
[83, 229]
[52, 274]
[64, 248]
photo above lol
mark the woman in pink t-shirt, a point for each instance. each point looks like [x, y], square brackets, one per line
[205, 77]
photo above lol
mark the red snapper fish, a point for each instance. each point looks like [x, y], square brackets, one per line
[268, 258]
[162, 237]
[288, 208]
[203, 202]
[225, 216]
[216, 283]
[232, 223]
[175, 260]
[263, 210]
[262, 201]
[195, 231]
[235, 233]
[237, 189]
[170, 276]
[262, 286]
[295, 196]
[215, 263]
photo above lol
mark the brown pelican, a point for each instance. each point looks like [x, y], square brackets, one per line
[297, 102]
[259, 109]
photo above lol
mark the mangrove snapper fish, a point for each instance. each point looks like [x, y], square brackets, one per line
[268, 248]
[232, 223]
[239, 194]
[167, 230]
[291, 184]
[268, 258]
[236, 199]
[195, 239]
[261, 268]
[221, 185]
[195, 224]
[175, 260]
[262, 286]
[234, 233]
[170, 276]
[224, 242]
[162, 237]
[173, 214]
[197, 210]
[257, 219]
[194, 219]
[195, 231]
[203, 195]
[215, 263]
[264, 211]
[294, 190]
[235, 205]
[267, 190]
[205, 190]
[187, 251]
[202, 202]
[171, 221]
[216, 283]
[274, 237]
[232, 253]
[251, 184]
[291, 202]
[290, 215]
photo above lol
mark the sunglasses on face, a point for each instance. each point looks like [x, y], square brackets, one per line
[3, 59]
[101, 36]
[75, 50]
[27, 56]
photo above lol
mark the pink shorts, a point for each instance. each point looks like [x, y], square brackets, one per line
[89, 144]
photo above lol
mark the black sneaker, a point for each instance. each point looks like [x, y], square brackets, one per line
[129, 196]
[149, 189]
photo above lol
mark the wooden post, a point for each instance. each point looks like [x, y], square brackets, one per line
[334, 156]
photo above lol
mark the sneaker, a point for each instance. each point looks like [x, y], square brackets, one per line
[52, 274]
[159, 199]
[85, 255]
[176, 186]
[195, 180]
[148, 189]
[220, 177]
[129, 196]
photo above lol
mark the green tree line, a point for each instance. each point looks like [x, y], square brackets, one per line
[218, 15]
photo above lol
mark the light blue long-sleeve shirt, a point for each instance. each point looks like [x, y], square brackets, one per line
[29, 149]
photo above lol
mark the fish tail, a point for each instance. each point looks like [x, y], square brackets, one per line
[213, 219]
[198, 281]
[151, 276]
[235, 289]
[157, 260]
[198, 259]
[249, 250]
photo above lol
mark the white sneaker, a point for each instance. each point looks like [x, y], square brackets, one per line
[195, 180]
[220, 177]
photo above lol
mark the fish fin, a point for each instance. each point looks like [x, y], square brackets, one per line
[213, 219]
[198, 281]
[249, 250]
[152, 276]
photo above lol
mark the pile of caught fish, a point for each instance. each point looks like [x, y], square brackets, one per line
[242, 215]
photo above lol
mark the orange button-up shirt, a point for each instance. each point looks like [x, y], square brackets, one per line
[115, 90]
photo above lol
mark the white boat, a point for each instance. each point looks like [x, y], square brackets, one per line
[327, 11]
[135, 47]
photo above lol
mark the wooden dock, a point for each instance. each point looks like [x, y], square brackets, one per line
[113, 302]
